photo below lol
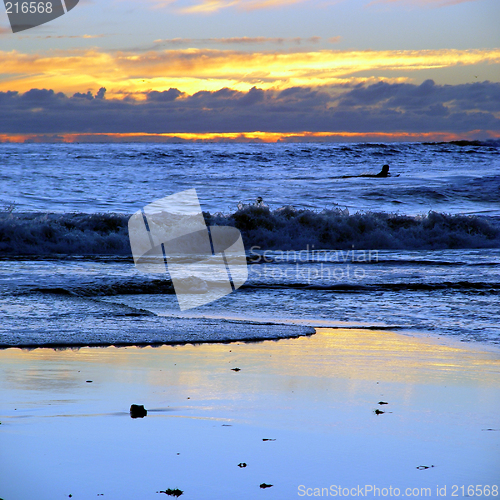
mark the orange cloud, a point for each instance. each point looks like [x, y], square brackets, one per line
[64, 36]
[212, 6]
[192, 70]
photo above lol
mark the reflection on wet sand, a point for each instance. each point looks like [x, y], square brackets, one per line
[311, 411]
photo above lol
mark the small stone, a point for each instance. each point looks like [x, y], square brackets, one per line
[138, 411]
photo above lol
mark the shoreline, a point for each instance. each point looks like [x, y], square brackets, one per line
[299, 328]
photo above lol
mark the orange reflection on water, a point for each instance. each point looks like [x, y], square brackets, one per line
[382, 355]
[348, 353]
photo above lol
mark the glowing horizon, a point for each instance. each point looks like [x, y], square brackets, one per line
[257, 136]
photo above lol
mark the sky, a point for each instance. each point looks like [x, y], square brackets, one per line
[259, 70]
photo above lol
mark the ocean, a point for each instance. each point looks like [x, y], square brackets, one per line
[417, 252]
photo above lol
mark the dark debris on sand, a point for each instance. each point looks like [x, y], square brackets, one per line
[172, 492]
[138, 411]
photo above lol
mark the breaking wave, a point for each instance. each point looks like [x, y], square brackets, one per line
[290, 229]
[286, 228]
[69, 234]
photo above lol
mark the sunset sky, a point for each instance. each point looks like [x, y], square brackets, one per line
[255, 69]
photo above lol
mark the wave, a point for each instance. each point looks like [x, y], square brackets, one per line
[288, 228]
[462, 286]
[285, 228]
[464, 143]
[164, 286]
[105, 288]
[105, 330]
[73, 233]
[479, 189]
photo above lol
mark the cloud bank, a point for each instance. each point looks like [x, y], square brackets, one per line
[378, 108]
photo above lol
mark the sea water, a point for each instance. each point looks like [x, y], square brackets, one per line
[418, 251]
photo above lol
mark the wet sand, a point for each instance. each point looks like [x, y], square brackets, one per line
[65, 427]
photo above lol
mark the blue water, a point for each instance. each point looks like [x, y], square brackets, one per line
[424, 243]
[124, 177]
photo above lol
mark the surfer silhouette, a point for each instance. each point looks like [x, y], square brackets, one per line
[383, 173]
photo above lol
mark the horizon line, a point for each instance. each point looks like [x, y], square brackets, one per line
[245, 137]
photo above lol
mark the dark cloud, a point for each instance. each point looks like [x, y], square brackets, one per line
[42, 96]
[165, 96]
[252, 97]
[381, 107]
[87, 96]
[100, 93]
[481, 95]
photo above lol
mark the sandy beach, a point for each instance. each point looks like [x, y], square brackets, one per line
[299, 415]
